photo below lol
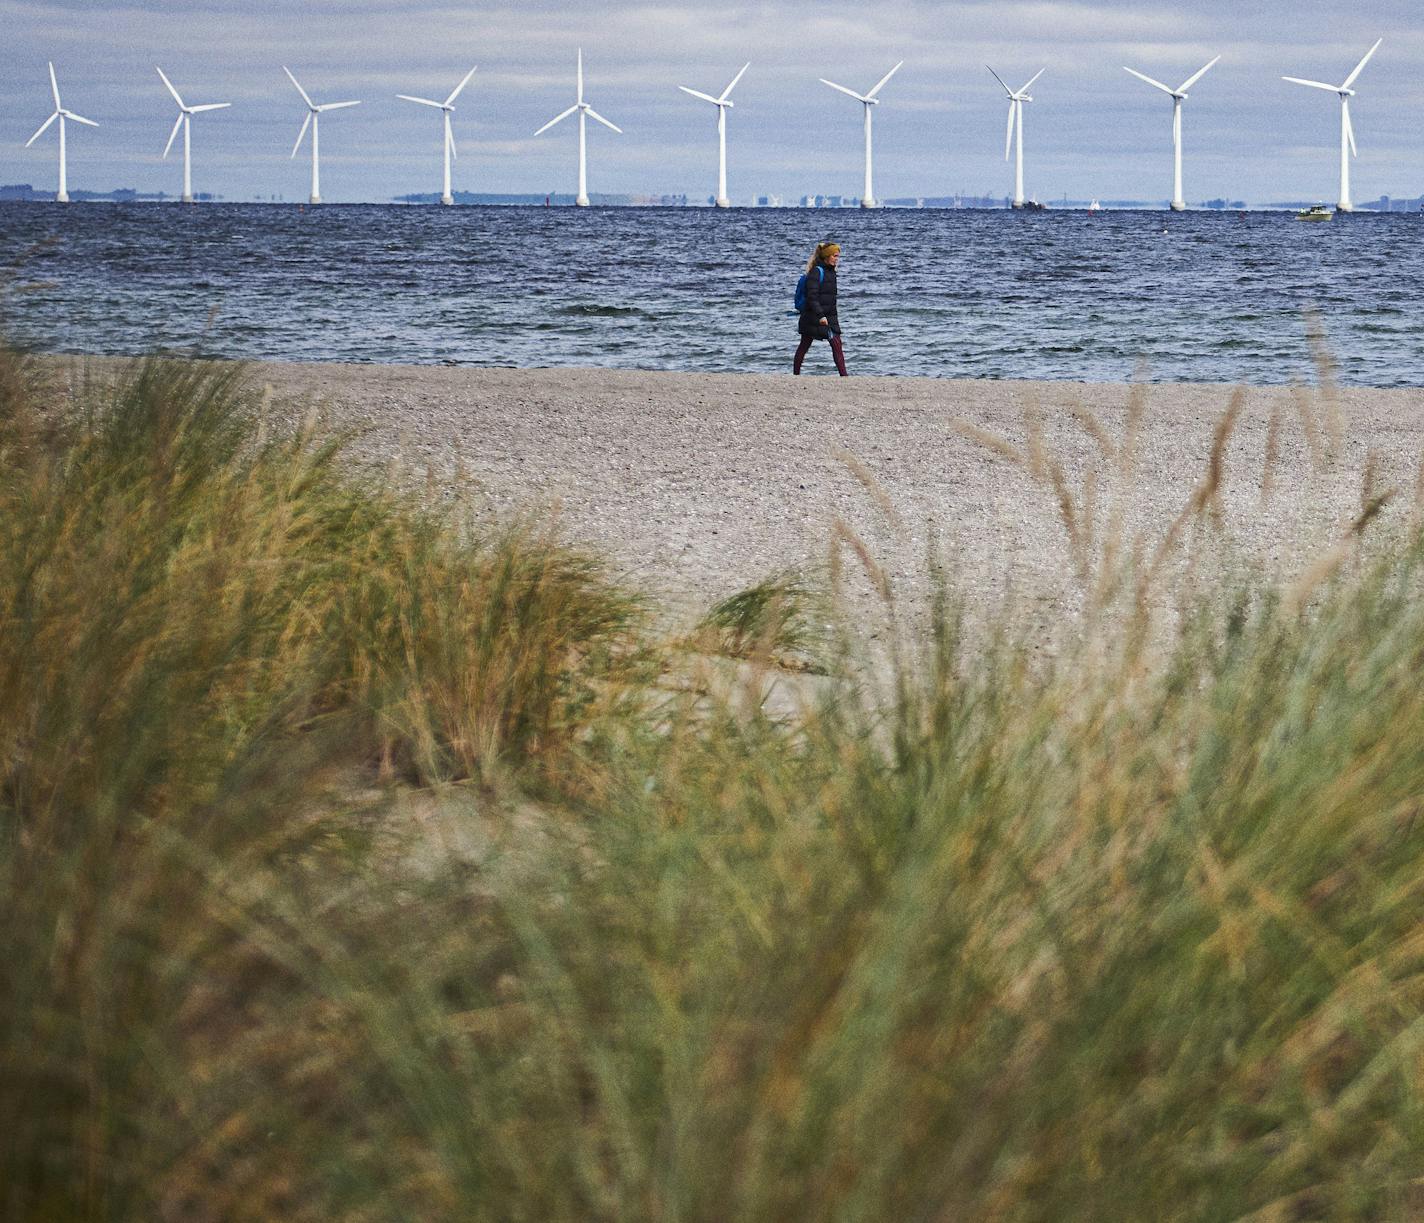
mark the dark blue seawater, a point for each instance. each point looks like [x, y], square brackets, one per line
[1198, 296]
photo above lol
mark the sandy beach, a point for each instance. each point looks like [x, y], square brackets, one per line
[698, 485]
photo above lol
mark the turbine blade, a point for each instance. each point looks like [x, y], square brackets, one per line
[54, 87]
[1360, 67]
[297, 83]
[843, 89]
[325, 106]
[559, 118]
[580, 74]
[697, 93]
[1349, 130]
[302, 135]
[593, 114]
[169, 83]
[450, 140]
[69, 114]
[405, 97]
[43, 128]
[1176, 126]
[1142, 77]
[1000, 79]
[194, 110]
[1009, 135]
[727, 93]
[1313, 84]
[1196, 76]
[460, 87]
[885, 79]
[168, 148]
[1034, 77]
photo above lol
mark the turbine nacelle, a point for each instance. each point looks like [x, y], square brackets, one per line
[449, 104]
[724, 102]
[185, 113]
[60, 112]
[868, 98]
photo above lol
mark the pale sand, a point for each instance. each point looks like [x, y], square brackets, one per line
[698, 485]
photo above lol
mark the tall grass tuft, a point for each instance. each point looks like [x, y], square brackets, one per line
[1131, 934]
[196, 619]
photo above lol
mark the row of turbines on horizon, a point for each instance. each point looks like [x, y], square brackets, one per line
[1013, 143]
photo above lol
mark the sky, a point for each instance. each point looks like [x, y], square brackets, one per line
[1092, 130]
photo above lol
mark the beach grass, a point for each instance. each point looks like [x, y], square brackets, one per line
[358, 861]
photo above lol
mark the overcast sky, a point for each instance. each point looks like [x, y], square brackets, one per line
[1091, 131]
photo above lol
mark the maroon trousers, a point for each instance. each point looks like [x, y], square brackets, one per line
[837, 351]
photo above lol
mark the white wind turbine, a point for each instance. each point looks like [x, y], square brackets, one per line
[185, 118]
[1347, 130]
[1178, 95]
[313, 121]
[447, 106]
[584, 112]
[868, 100]
[1016, 105]
[62, 196]
[722, 104]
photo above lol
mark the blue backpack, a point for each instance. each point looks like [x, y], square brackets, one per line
[800, 298]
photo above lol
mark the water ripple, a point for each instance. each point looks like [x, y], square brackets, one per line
[1201, 296]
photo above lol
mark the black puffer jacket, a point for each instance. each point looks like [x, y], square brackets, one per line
[820, 304]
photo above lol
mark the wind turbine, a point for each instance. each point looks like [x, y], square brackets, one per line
[722, 104]
[867, 197]
[584, 112]
[447, 106]
[313, 121]
[1347, 131]
[62, 196]
[1016, 105]
[1178, 95]
[185, 121]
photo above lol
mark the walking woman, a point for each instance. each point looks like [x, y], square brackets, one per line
[819, 320]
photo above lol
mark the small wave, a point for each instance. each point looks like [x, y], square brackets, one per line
[586, 310]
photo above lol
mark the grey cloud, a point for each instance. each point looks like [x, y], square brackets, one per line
[1093, 130]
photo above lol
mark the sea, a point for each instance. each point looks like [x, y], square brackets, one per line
[1107, 296]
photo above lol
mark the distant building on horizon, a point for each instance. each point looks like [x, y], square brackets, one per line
[119, 195]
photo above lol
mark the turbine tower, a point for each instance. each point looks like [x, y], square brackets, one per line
[1178, 96]
[313, 121]
[867, 198]
[584, 112]
[62, 196]
[185, 121]
[1016, 105]
[722, 104]
[1347, 131]
[447, 106]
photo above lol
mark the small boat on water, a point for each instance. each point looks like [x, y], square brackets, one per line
[1095, 207]
[1318, 213]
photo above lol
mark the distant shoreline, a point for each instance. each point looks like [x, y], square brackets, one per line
[1409, 206]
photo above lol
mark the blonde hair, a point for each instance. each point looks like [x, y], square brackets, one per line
[823, 251]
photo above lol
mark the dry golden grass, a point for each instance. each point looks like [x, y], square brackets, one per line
[1129, 934]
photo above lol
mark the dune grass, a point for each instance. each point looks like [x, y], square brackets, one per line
[1132, 934]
